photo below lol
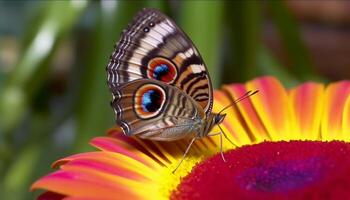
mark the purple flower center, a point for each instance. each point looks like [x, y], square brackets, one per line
[282, 176]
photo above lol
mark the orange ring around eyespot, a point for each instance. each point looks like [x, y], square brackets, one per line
[162, 69]
[149, 100]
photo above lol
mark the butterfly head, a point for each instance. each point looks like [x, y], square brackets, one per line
[219, 118]
[208, 123]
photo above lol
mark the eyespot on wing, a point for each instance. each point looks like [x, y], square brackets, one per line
[149, 99]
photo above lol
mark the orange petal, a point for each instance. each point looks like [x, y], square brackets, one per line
[79, 184]
[346, 120]
[130, 148]
[307, 105]
[233, 123]
[272, 106]
[112, 164]
[336, 96]
[246, 111]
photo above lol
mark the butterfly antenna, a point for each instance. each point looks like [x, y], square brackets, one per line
[183, 157]
[246, 95]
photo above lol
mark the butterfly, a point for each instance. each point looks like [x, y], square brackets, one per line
[160, 85]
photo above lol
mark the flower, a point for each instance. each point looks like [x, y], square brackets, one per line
[286, 149]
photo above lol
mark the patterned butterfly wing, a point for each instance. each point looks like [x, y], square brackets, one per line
[153, 47]
[154, 110]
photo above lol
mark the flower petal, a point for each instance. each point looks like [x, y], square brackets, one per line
[336, 96]
[79, 183]
[249, 118]
[273, 108]
[346, 120]
[131, 148]
[100, 174]
[232, 123]
[307, 105]
[112, 164]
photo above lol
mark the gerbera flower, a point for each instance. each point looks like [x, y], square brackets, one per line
[273, 159]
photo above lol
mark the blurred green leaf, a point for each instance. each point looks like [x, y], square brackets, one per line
[158, 4]
[27, 76]
[18, 87]
[26, 160]
[244, 27]
[202, 21]
[17, 180]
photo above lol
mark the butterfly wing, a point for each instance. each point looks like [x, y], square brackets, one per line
[153, 47]
[154, 110]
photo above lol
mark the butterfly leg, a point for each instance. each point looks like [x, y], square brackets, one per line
[213, 134]
[222, 131]
[221, 151]
[183, 157]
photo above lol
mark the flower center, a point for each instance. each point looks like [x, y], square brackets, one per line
[281, 176]
[272, 170]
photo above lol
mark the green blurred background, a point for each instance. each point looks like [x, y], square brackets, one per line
[53, 92]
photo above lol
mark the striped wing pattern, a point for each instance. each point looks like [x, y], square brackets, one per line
[153, 47]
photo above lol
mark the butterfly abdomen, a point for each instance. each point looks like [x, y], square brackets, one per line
[171, 133]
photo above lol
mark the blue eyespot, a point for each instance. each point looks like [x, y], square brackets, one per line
[151, 101]
[160, 71]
